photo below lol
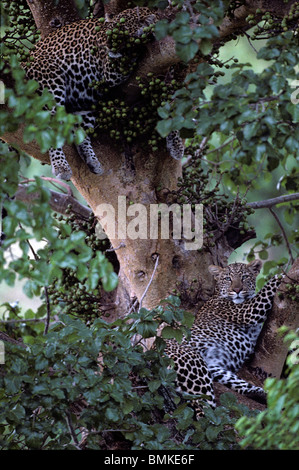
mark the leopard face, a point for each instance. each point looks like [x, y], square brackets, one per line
[237, 281]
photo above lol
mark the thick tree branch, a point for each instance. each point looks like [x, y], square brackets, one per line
[8, 339]
[273, 201]
[50, 14]
[231, 25]
[59, 202]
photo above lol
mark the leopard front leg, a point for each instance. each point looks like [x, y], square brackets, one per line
[193, 376]
[85, 149]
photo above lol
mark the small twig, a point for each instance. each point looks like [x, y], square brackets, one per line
[122, 245]
[110, 430]
[48, 317]
[227, 142]
[283, 233]
[151, 280]
[24, 320]
[250, 43]
[71, 430]
[135, 303]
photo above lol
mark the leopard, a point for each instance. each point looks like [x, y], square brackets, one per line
[74, 57]
[223, 335]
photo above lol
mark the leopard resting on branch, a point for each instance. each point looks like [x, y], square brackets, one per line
[73, 57]
[224, 334]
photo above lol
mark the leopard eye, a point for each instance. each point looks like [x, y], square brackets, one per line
[227, 278]
[245, 276]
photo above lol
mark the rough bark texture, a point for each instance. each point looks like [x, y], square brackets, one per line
[271, 350]
[50, 15]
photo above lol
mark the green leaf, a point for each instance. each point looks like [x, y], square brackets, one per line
[79, 136]
[187, 51]
[153, 385]
[164, 127]
[251, 129]
[264, 254]
[272, 163]
[268, 53]
[110, 282]
[205, 46]
[112, 414]
[41, 363]
[161, 29]
[212, 432]
[168, 333]
[16, 414]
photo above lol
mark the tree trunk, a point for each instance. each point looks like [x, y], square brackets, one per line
[271, 350]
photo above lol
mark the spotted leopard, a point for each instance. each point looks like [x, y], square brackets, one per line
[73, 57]
[224, 334]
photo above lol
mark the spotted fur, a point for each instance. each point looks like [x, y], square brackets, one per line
[76, 55]
[224, 334]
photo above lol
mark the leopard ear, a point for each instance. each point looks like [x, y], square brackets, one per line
[255, 266]
[215, 270]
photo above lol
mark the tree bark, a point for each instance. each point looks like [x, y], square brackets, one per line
[271, 350]
[50, 15]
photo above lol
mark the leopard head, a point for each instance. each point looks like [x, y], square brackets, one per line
[236, 281]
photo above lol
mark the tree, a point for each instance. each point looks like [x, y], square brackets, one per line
[236, 133]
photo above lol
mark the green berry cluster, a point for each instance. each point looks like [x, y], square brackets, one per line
[198, 186]
[125, 46]
[68, 293]
[292, 291]
[126, 123]
[19, 28]
[271, 25]
[178, 4]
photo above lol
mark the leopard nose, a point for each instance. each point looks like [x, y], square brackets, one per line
[237, 290]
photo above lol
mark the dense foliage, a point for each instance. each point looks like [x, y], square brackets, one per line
[277, 426]
[75, 379]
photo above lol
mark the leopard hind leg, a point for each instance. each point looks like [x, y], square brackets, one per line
[60, 167]
[193, 376]
[175, 145]
[85, 149]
